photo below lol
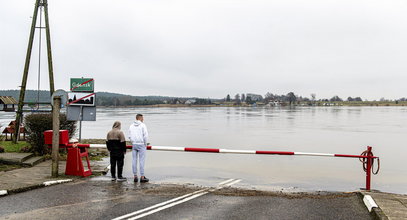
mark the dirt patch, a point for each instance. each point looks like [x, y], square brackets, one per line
[177, 190]
[8, 167]
[296, 195]
[170, 190]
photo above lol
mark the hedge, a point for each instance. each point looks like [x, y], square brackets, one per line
[36, 124]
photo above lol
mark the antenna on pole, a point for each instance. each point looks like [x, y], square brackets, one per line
[19, 115]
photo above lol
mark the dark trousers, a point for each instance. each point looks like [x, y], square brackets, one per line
[119, 160]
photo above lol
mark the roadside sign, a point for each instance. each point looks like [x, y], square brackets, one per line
[61, 93]
[80, 98]
[79, 113]
[82, 84]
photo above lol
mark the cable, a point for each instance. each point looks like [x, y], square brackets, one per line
[39, 61]
[365, 160]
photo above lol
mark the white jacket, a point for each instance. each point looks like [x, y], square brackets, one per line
[138, 133]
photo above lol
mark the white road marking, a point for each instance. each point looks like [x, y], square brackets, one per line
[157, 205]
[173, 202]
[169, 205]
[226, 181]
[234, 182]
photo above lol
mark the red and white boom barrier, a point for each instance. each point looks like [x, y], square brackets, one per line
[367, 157]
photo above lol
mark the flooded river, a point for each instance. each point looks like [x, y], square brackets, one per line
[338, 130]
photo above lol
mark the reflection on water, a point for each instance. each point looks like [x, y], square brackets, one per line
[341, 130]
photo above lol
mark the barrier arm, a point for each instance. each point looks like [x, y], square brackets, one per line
[367, 157]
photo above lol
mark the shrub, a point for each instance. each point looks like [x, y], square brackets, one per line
[1, 149]
[26, 149]
[36, 124]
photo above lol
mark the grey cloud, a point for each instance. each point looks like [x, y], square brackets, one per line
[212, 48]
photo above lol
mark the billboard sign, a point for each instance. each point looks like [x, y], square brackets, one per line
[82, 84]
[83, 99]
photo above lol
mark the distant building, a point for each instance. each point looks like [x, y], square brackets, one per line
[274, 103]
[190, 101]
[7, 103]
[254, 97]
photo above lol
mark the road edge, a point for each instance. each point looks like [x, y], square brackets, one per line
[33, 186]
[376, 212]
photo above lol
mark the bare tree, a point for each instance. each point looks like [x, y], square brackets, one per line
[237, 98]
[291, 98]
[313, 96]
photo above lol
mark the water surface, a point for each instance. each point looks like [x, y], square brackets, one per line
[339, 130]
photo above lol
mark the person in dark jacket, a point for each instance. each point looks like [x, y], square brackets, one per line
[116, 144]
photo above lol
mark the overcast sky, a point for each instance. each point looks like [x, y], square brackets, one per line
[212, 48]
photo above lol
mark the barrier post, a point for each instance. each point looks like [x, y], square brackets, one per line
[369, 167]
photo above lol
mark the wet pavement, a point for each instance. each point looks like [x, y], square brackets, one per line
[100, 198]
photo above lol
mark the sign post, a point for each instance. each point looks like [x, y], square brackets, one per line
[82, 84]
[81, 101]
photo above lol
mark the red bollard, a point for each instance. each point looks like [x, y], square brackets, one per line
[368, 166]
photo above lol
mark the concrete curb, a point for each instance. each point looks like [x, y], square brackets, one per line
[3, 192]
[369, 202]
[49, 183]
[372, 207]
[34, 186]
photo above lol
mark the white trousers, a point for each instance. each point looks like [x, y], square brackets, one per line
[139, 154]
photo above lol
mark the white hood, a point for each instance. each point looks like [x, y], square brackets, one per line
[137, 123]
[138, 133]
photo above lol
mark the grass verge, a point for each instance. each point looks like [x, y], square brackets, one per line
[8, 167]
[9, 146]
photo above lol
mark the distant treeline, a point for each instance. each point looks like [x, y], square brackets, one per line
[30, 95]
[116, 99]
[290, 97]
[107, 98]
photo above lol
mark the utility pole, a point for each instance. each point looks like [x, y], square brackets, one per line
[19, 115]
[55, 134]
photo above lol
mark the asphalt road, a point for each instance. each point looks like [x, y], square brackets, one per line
[99, 198]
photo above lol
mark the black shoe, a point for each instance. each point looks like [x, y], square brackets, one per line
[135, 179]
[121, 179]
[113, 178]
[144, 180]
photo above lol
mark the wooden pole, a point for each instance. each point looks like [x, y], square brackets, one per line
[49, 53]
[55, 135]
[19, 115]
